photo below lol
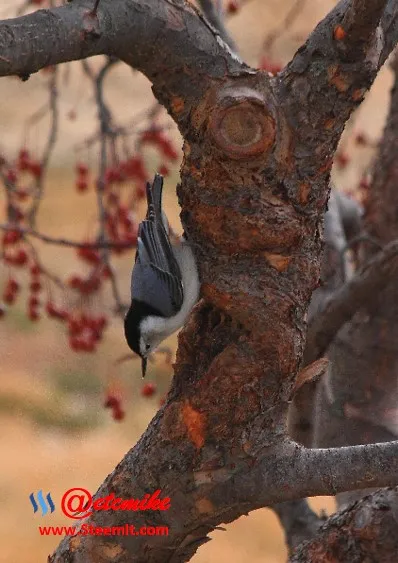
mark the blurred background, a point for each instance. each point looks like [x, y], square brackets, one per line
[56, 433]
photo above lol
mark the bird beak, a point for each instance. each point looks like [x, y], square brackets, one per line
[143, 366]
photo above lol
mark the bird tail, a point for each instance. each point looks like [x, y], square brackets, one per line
[154, 199]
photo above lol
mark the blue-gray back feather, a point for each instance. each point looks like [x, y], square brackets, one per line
[156, 276]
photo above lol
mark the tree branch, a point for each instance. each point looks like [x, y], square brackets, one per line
[331, 73]
[214, 16]
[257, 240]
[346, 301]
[168, 41]
[62, 241]
[370, 527]
[215, 495]
[299, 522]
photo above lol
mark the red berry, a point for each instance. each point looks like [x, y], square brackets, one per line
[35, 286]
[163, 170]
[134, 168]
[22, 194]
[12, 285]
[9, 297]
[23, 160]
[81, 184]
[140, 192]
[23, 154]
[106, 273]
[342, 159]
[232, 7]
[21, 257]
[90, 285]
[75, 327]
[118, 414]
[89, 255]
[35, 169]
[33, 302]
[113, 175]
[11, 176]
[81, 169]
[75, 282]
[102, 321]
[111, 402]
[33, 315]
[148, 389]
[54, 312]
[35, 269]
[11, 237]
[131, 238]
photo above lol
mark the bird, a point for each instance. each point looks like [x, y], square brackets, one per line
[165, 282]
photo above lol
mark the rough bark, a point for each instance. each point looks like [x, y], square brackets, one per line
[357, 399]
[254, 189]
[342, 223]
[366, 531]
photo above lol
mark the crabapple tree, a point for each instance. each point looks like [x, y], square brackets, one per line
[273, 398]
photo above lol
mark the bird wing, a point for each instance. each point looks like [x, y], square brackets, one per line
[156, 278]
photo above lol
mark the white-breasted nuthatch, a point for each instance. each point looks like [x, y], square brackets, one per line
[164, 281]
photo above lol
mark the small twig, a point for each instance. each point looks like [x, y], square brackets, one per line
[53, 103]
[106, 131]
[148, 114]
[215, 17]
[49, 275]
[299, 522]
[284, 26]
[94, 11]
[65, 242]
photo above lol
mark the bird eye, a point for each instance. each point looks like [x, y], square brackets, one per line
[147, 346]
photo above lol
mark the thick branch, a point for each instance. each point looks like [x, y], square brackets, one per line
[201, 501]
[330, 74]
[168, 41]
[346, 301]
[360, 21]
[365, 531]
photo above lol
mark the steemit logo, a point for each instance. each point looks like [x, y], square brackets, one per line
[42, 503]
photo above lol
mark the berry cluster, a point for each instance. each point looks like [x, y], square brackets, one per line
[122, 186]
[85, 331]
[113, 402]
